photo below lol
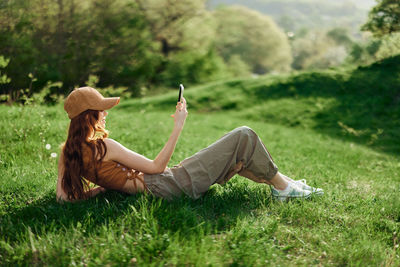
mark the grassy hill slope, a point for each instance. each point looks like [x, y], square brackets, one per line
[361, 105]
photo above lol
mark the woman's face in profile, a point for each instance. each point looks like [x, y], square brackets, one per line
[102, 118]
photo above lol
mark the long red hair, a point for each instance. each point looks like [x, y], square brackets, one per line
[84, 129]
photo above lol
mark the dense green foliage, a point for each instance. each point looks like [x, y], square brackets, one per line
[68, 40]
[136, 47]
[3, 77]
[134, 44]
[254, 38]
[320, 49]
[384, 18]
[323, 126]
[378, 48]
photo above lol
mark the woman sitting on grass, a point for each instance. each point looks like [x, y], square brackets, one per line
[88, 155]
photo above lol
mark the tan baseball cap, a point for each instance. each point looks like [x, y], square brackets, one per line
[84, 98]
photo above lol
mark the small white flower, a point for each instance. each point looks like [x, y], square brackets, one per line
[53, 155]
[48, 146]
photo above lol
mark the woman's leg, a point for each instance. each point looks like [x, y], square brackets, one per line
[239, 151]
[283, 186]
[279, 181]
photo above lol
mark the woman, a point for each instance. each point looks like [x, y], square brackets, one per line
[89, 155]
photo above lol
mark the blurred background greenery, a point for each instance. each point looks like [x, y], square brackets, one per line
[139, 47]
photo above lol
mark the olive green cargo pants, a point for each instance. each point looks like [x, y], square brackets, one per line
[238, 152]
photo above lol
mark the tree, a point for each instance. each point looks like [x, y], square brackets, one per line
[389, 47]
[375, 49]
[340, 36]
[68, 40]
[254, 37]
[128, 43]
[177, 25]
[184, 32]
[318, 49]
[384, 18]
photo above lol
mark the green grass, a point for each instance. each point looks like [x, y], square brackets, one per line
[356, 222]
[361, 105]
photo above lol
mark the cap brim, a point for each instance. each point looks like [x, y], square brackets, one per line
[108, 102]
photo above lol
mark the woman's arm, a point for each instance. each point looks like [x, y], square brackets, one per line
[131, 159]
[61, 195]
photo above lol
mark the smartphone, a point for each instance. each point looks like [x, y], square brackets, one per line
[181, 88]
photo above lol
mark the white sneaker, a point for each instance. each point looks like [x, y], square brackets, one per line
[303, 185]
[292, 191]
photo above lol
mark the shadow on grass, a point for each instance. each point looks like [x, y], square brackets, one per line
[368, 109]
[218, 210]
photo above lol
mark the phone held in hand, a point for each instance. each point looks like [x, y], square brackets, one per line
[181, 88]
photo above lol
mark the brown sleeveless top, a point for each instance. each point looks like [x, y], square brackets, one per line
[110, 174]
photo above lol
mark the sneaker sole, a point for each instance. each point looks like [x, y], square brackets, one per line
[282, 199]
[318, 193]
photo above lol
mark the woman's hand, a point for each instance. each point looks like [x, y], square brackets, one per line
[180, 114]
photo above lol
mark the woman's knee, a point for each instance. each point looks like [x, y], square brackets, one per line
[243, 130]
[246, 131]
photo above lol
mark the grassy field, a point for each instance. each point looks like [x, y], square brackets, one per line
[312, 134]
